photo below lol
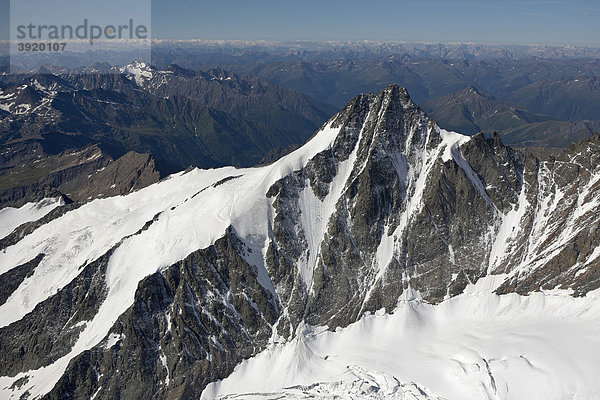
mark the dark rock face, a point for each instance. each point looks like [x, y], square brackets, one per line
[130, 172]
[562, 225]
[12, 279]
[51, 329]
[78, 175]
[201, 317]
[392, 207]
[393, 147]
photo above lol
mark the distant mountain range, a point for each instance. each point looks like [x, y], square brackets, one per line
[515, 81]
[191, 53]
[555, 101]
[209, 116]
[470, 111]
[243, 50]
[180, 117]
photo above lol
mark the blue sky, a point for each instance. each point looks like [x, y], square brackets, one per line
[511, 21]
[528, 21]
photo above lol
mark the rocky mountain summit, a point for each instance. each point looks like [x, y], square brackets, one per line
[161, 292]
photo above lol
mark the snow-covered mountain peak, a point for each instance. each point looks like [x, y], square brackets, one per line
[138, 71]
[137, 65]
[202, 270]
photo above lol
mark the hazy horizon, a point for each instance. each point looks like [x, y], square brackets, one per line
[541, 22]
[533, 22]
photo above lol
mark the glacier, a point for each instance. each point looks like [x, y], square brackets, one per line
[477, 345]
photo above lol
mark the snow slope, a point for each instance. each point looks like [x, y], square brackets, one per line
[194, 209]
[11, 218]
[474, 346]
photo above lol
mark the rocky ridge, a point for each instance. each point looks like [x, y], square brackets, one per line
[380, 204]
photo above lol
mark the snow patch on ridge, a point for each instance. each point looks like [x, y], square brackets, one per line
[452, 142]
